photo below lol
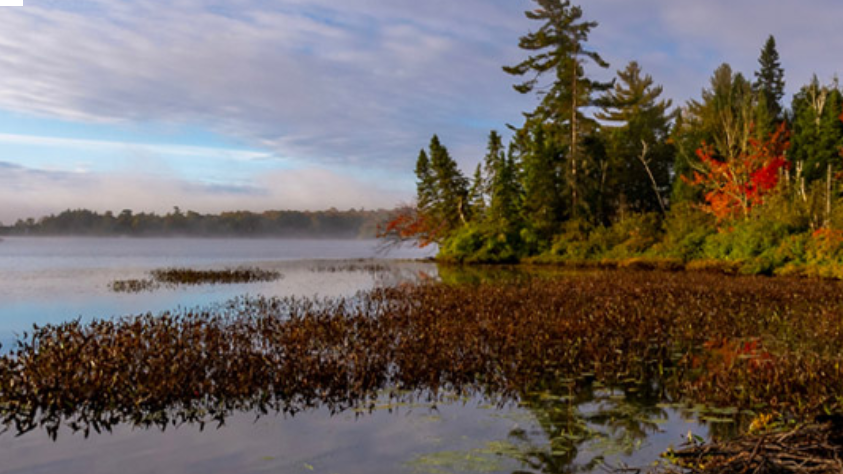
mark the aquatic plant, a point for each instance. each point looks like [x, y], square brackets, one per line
[185, 276]
[188, 276]
[740, 342]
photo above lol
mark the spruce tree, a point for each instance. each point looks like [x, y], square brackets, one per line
[451, 205]
[558, 49]
[426, 192]
[477, 194]
[769, 79]
[503, 186]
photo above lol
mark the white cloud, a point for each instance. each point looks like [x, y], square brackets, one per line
[105, 145]
[326, 81]
[31, 192]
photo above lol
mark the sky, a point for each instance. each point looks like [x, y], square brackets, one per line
[218, 105]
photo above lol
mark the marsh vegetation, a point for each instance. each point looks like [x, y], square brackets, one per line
[730, 348]
[173, 277]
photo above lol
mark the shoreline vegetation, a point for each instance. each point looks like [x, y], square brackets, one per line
[613, 174]
[331, 223]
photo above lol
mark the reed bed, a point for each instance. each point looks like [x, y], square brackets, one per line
[745, 342]
[173, 277]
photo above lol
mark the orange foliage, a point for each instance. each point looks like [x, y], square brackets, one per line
[408, 224]
[737, 184]
[725, 354]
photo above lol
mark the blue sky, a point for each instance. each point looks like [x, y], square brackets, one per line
[309, 104]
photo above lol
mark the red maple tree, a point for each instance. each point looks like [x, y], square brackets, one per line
[733, 186]
[408, 224]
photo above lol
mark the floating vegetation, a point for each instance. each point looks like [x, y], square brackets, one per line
[351, 267]
[133, 286]
[185, 276]
[742, 342]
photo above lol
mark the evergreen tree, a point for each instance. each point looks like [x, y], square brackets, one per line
[426, 191]
[542, 161]
[769, 80]
[817, 132]
[558, 49]
[504, 187]
[638, 172]
[477, 194]
[451, 205]
[493, 161]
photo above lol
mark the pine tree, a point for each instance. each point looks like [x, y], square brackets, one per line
[769, 80]
[558, 50]
[640, 159]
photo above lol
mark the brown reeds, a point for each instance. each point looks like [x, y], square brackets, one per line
[172, 277]
[738, 342]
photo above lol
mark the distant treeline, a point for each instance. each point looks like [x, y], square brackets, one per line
[351, 224]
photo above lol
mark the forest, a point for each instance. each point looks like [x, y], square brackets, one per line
[612, 173]
[351, 224]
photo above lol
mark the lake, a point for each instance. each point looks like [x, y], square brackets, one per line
[52, 280]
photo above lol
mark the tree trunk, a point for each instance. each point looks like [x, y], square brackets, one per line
[646, 163]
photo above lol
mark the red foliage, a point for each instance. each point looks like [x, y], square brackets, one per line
[410, 225]
[737, 184]
[725, 354]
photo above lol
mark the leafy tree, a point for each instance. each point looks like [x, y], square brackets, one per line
[640, 158]
[722, 118]
[735, 185]
[558, 50]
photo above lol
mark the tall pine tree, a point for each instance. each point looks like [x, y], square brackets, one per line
[558, 49]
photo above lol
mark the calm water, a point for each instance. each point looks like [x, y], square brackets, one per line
[47, 280]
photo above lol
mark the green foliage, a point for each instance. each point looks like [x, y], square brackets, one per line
[685, 230]
[817, 132]
[638, 172]
[450, 205]
[481, 243]
[627, 238]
